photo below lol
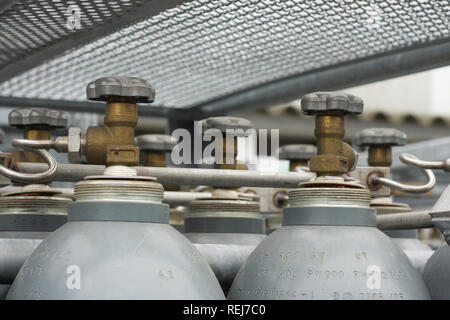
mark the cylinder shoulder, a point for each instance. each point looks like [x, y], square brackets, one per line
[115, 260]
[328, 262]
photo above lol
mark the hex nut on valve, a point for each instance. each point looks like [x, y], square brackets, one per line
[74, 145]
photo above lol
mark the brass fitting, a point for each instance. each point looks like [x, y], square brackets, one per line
[113, 144]
[154, 159]
[239, 127]
[380, 156]
[334, 156]
[176, 216]
[329, 133]
[351, 155]
[380, 142]
[229, 151]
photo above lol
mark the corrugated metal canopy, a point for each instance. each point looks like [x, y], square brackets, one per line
[218, 54]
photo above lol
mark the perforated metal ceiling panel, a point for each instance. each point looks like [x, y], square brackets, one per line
[30, 25]
[202, 50]
[32, 31]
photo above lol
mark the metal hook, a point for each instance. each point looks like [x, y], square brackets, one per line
[416, 162]
[32, 177]
[407, 159]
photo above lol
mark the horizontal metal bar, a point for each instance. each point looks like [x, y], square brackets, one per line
[182, 176]
[352, 73]
[406, 220]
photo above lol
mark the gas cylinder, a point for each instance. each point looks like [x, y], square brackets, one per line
[329, 246]
[28, 213]
[225, 229]
[117, 243]
[436, 275]
[27, 216]
[380, 141]
[228, 226]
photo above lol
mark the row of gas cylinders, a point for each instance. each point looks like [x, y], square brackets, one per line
[116, 243]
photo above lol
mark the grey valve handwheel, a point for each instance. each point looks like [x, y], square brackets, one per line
[136, 89]
[322, 101]
[297, 151]
[380, 137]
[227, 124]
[38, 116]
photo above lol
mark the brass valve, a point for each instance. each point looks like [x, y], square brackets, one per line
[113, 143]
[153, 148]
[37, 124]
[297, 154]
[380, 141]
[334, 156]
[229, 148]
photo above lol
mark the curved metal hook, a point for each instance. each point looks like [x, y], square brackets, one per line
[406, 159]
[423, 164]
[33, 177]
[33, 144]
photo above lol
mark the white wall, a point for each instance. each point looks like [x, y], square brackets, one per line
[425, 93]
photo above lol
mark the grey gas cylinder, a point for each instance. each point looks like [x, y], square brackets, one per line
[225, 230]
[117, 244]
[437, 269]
[328, 248]
[27, 216]
[436, 273]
